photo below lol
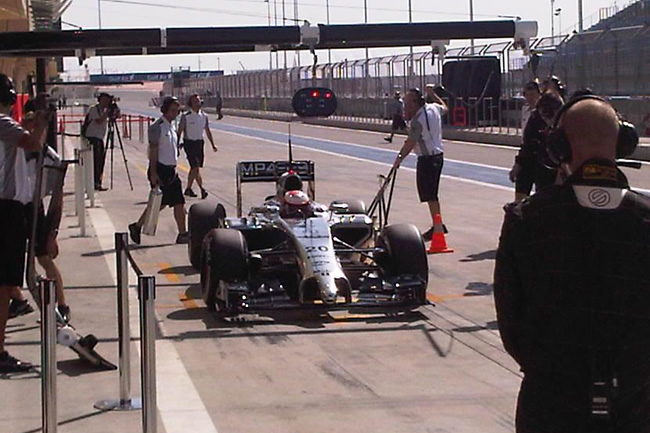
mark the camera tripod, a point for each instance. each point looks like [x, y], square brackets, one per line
[113, 130]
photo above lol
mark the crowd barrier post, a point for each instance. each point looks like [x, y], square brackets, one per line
[79, 179]
[125, 402]
[48, 357]
[146, 296]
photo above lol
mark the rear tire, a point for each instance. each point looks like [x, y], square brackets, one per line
[201, 218]
[354, 207]
[405, 253]
[224, 257]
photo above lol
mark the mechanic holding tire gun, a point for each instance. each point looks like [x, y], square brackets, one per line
[572, 283]
[425, 139]
[163, 155]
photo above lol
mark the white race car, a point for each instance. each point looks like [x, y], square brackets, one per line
[292, 250]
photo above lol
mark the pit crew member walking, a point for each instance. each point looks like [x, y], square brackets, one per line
[163, 155]
[193, 124]
[425, 139]
[572, 284]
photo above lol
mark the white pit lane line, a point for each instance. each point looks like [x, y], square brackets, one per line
[179, 403]
[444, 176]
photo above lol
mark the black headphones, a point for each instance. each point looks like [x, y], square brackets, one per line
[7, 93]
[418, 94]
[167, 102]
[558, 147]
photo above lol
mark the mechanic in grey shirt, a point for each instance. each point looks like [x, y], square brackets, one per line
[163, 156]
[425, 139]
[15, 192]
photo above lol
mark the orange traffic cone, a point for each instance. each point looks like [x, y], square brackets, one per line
[438, 242]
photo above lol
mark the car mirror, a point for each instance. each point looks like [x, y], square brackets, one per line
[314, 102]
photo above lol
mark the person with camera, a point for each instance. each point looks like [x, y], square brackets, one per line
[572, 283]
[94, 130]
[192, 126]
[530, 168]
[425, 139]
[15, 193]
[163, 156]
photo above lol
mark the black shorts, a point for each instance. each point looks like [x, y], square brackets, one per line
[42, 230]
[429, 169]
[170, 185]
[13, 238]
[398, 123]
[195, 153]
[534, 173]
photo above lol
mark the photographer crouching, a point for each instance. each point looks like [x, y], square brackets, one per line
[94, 130]
[572, 283]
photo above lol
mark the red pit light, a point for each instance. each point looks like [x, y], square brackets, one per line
[328, 95]
[315, 94]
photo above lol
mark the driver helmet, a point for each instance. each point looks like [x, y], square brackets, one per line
[289, 181]
[296, 203]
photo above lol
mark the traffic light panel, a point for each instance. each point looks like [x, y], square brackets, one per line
[314, 102]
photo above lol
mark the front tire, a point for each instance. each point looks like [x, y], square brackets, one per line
[201, 218]
[354, 207]
[404, 253]
[224, 257]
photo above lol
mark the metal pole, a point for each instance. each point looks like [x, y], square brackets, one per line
[147, 296]
[295, 20]
[48, 357]
[89, 170]
[552, 21]
[284, 23]
[99, 19]
[275, 22]
[471, 18]
[580, 17]
[125, 402]
[268, 21]
[79, 179]
[411, 47]
[327, 10]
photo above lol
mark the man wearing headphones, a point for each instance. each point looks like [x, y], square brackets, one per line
[572, 283]
[193, 124]
[163, 155]
[15, 193]
[425, 139]
[97, 124]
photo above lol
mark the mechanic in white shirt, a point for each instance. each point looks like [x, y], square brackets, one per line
[193, 124]
[163, 155]
[425, 139]
[531, 95]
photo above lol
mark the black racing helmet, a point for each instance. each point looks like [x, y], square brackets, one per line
[289, 181]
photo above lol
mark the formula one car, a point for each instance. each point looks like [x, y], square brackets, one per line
[292, 250]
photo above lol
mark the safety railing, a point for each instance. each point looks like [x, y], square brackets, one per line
[125, 402]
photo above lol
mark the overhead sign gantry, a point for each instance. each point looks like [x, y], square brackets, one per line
[119, 42]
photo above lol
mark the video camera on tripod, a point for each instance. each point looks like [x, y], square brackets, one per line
[113, 109]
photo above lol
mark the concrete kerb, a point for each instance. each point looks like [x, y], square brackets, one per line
[448, 132]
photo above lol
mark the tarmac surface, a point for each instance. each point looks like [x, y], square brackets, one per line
[437, 369]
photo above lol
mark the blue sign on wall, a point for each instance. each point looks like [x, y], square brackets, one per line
[147, 76]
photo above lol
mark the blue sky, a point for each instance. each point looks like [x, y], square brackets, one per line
[200, 13]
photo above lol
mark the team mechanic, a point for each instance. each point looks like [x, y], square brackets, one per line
[572, 284]
[163, 155]
[193, 124]
[425, 139]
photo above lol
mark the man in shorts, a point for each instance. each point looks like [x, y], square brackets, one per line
[193, 124]
[15, 193]
[425, 139]
[163, 156]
